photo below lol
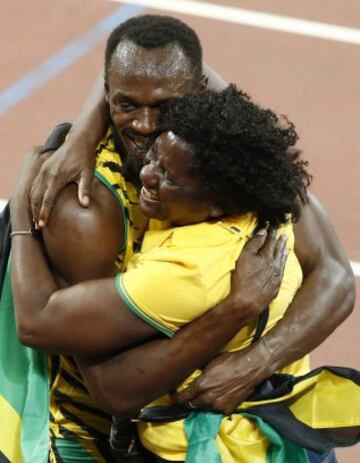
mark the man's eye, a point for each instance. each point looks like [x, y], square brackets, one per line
[123, 106]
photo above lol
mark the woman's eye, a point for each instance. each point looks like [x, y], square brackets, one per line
[169, 180]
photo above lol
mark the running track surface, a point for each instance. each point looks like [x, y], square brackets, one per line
[51, 53]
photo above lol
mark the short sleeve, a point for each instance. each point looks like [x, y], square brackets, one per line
[166, 295]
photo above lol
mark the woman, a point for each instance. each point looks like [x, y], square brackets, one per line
[214, 186]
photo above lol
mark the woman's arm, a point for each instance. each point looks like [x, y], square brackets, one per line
[75, 159]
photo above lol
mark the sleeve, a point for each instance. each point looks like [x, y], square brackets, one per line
[166, 295]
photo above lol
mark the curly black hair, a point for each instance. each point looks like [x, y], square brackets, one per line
[156, 31]
[243, 154]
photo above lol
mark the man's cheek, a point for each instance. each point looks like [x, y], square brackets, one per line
[120, 119]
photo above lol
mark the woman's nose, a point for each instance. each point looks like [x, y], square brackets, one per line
[149, 175]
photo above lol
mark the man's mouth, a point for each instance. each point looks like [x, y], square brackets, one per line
[148, 195]
[141, 146]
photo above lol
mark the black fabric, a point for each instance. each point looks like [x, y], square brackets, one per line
[5, 230]
[263, 319]
[124, 443]
[283, 421]
[279, 415]
[56, 137]
[3, 458]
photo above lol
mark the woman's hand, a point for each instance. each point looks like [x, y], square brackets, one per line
[258, 273]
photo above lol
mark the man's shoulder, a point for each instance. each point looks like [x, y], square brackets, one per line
[83, 243]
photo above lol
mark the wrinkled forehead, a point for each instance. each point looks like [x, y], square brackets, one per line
[133, 60]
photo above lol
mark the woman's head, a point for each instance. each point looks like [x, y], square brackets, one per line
[238, 158]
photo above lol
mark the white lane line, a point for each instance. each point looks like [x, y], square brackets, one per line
[254, 18]
[356, 268]
[2, 204]
[355, 265]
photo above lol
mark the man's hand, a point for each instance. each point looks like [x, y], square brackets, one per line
[228, 380]
[72, 162]
[258, 274]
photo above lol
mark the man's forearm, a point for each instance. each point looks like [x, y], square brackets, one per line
[325, 299]
[327, 295]
[158, 367]
[94, 118]
[124, 383]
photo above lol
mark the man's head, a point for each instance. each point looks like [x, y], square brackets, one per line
[221, 154]
[149, 60]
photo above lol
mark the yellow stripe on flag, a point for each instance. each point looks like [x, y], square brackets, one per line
[10, 424]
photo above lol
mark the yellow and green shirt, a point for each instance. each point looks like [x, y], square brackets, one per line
[73, 413]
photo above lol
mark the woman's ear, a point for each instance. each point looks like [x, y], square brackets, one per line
[216, 212]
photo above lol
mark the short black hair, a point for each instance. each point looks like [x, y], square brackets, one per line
[243, 154]
[156, 31]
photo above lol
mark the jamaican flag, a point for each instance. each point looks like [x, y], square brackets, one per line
[318, 411]
[24, 391]
[315, 412]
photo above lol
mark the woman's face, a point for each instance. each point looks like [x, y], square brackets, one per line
[171, 191]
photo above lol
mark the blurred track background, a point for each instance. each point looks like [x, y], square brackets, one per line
[289, 57]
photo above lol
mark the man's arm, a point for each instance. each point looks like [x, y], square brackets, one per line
[74, 161]
[327, 295]
[160, 366]
[324, 300]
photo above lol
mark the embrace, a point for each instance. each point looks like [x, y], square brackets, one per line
[184, 297]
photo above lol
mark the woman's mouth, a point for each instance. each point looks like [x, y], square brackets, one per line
[148, 195]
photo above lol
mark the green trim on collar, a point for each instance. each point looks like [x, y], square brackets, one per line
[108, 185]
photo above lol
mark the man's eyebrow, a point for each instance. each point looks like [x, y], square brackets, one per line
[128, 98]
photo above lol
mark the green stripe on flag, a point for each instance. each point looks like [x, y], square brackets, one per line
[201, 429]
[24, 390]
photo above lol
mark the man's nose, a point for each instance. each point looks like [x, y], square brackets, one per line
[146, 121]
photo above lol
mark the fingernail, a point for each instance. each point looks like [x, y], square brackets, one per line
[261, 232]
[85, 201]
[41, 223]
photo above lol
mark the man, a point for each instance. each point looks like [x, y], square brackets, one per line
[152, 68]
[85, 244]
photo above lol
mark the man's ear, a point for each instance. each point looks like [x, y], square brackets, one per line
[106, 87]
[203, 83]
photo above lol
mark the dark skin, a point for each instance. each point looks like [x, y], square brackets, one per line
[63, 320]
[311, 318]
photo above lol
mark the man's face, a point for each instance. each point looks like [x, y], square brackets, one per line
[139, 82]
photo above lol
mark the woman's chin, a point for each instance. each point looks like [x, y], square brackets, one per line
[151, 209]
